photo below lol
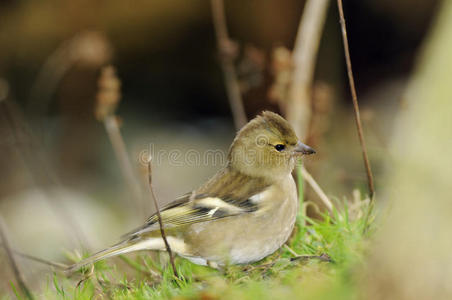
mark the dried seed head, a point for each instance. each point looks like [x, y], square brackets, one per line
[109, 93]
[282, 67]
[91, 49]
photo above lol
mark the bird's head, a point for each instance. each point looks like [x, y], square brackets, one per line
[266, 147]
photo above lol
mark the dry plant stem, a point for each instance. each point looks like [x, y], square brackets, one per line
[298, 108]
[227, 65]
[291, 250]
[326, 201]
[89, 48]
[48, 78]
[324, 257]
[157, 211]
[57, 265]
[12, 262]
[351, 80]
[119, 147]
[39, 260]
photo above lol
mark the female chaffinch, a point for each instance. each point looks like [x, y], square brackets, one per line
[242, 214]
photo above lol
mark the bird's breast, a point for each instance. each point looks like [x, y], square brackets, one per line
[251, 236]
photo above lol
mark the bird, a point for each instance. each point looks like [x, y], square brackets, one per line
[244, 213]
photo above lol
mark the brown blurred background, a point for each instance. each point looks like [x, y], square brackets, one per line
[173, 97]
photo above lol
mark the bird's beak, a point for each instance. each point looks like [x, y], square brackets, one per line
[302, 149]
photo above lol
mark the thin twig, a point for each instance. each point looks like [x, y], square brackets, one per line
[226, 49]
[119, 147]
[17, 274]
[107, 100]
[309, 179]
[38, 259]
[351, 81]
[297, 257]
[89, 48]
[157, 211]
[291, 250]
[299, 176]
[323, 257]
[298, 108]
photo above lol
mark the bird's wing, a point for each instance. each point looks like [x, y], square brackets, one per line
[226, 194]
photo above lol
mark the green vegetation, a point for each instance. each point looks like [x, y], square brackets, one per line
[342, 236]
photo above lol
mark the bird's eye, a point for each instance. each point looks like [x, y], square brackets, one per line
[280, 147]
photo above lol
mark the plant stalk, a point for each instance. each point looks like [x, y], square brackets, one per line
[348, 62]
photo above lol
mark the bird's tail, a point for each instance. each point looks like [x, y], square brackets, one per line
[118, 249]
